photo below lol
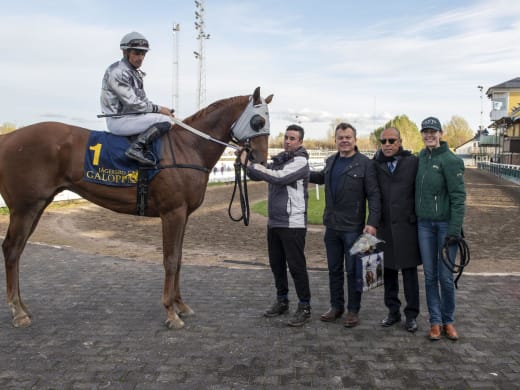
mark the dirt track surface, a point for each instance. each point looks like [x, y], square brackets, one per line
[491, 225]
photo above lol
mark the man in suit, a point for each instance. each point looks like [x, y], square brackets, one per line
[396, 170]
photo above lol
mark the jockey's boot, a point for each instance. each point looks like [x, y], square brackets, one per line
[136, 149]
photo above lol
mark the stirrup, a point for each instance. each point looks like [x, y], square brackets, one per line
[140, 157]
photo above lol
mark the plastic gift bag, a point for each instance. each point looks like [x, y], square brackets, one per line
[369, 262]
[365, 243]
[372, 270]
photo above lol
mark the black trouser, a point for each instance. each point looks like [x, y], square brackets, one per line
[411, 291]
[286, 248]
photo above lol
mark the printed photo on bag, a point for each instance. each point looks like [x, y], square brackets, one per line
[372, 270]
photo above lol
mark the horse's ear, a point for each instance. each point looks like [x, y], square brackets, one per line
[256, 95]
[269, 98]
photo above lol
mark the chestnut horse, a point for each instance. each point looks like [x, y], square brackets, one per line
[41, 160]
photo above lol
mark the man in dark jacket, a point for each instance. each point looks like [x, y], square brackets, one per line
[396, 170]
[288, 178]
[350, 180]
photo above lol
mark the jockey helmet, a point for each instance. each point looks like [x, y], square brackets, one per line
[134, 40]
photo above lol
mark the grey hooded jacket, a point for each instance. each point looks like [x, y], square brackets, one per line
[288, 178]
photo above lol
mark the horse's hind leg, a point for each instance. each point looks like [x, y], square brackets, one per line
[20, 228]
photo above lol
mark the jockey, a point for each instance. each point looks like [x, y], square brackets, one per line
[122, 93]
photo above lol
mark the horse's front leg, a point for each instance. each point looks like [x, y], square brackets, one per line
[183, 309]
[173, 228]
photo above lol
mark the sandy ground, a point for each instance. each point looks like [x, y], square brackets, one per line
[491, 225]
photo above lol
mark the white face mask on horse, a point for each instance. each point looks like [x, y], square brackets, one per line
[254, 122]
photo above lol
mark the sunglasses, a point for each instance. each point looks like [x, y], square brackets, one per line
[391, 141]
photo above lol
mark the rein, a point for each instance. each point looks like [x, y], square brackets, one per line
[203, 135]
[464, 257]
[240, 183]
[197, 133]
[242, 187]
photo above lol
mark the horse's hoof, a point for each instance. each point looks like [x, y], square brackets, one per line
[22, 321]
[186, 313]
[174, 324]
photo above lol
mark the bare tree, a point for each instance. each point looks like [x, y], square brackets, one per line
[409, 133]
[456, 131]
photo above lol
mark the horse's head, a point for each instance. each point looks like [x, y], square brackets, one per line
[252, 127]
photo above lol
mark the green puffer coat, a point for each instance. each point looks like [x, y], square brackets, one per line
[439, 188]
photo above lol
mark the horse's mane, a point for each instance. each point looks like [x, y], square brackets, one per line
[213, 107]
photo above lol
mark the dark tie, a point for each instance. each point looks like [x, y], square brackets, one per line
[391, 166]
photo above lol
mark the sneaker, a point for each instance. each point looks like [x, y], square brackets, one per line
[301, 315]
[279, 307]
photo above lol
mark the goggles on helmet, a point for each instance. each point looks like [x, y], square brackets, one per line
[138, 43]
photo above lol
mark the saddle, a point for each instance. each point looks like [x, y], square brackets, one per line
[106, 164]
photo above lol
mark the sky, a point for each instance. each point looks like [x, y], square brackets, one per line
[363, 62]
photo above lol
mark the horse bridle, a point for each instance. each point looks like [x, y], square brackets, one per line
[253, 122]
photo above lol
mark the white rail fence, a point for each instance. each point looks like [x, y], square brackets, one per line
[224, 170]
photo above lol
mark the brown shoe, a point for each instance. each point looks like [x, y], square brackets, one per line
[450, 332]
[435, 332]
[351, 320]
[332, 314]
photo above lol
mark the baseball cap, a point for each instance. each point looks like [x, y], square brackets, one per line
[431, 123]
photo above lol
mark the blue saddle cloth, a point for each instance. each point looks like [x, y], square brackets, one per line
[106, 163]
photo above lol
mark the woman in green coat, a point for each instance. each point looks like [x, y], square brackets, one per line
[439, 205]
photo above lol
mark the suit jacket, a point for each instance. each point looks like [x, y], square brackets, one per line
[398, 225]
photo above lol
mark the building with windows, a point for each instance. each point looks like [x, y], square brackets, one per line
[476, 149]
[505, 121]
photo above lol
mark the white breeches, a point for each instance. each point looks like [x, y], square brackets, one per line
[134, 124]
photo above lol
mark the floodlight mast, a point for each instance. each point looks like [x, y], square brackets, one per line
[480, 87]
[200, 54]
[175, 77]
